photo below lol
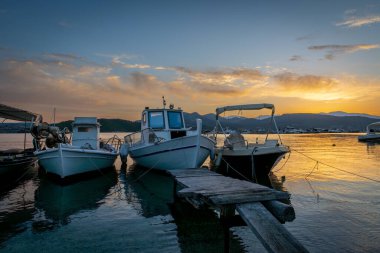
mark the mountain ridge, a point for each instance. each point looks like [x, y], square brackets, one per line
[334, 120]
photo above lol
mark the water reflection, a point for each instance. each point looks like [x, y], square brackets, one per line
[148, 191]
[17, 206]
[151, 192]
[373, 148]
[18, 177]
[55, 203]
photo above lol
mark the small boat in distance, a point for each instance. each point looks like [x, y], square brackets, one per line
[239, 158]
[86, 154]
[372, 134]
[164, 142]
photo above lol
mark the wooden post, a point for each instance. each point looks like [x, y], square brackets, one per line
[226, 214]
[226, 231]
[273, 236]
[283, 212]
[175, 197]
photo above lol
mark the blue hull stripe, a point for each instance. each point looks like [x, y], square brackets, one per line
[168, 150]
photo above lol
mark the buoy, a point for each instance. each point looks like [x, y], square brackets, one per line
[124, 153]
[218, 159]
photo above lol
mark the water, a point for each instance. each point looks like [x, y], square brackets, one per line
[130, 210]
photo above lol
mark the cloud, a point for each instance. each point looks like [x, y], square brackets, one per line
[323, 88]
[358, 22]
[333, 50]
[79, 88]
[227, 82]
[305, 37]
[64, 56]
[296, 58]
[136, 66]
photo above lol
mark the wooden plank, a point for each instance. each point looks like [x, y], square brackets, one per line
[244, 198]
[206, 186]
[192, 173]
[220, 182]
[273, 236]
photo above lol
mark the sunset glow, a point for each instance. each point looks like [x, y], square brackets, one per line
[112, 60]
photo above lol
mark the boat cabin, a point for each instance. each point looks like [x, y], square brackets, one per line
[86, 131]
[166, 123]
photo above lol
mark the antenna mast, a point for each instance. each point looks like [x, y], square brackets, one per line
[163, 101]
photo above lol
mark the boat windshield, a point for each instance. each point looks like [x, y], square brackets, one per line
[156, 120]
[175, 120]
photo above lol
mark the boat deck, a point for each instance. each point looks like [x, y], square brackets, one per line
[201, 187]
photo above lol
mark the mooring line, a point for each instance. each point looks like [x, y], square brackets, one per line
[328, 165]
[287, 159]
[230, 166]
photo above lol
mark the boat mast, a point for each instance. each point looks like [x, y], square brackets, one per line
[163, 101]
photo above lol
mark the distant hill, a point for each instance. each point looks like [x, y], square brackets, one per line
[335, 120]
[349, 123]
[345, 114]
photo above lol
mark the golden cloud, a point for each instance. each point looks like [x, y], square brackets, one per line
[323, 88]
[358, 22]
[78, 88]
[333, 50]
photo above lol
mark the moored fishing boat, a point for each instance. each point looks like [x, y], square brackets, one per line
[164, 142]
[85, 154]
[14, 161]
[239, 158]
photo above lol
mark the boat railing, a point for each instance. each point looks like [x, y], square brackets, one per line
[145, 136]
[115, 141]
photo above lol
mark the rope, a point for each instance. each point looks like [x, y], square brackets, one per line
[229, 166]
[315, 167]
[352, 173]
[287, 159]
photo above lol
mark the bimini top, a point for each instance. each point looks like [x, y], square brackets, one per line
[375, 125]
[220, 110]
[8, 112]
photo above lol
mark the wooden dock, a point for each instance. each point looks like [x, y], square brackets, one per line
[201, 188]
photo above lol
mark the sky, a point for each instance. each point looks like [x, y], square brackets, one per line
[110, 59]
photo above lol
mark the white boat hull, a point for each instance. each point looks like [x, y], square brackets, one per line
[178, 153]
[65, 162]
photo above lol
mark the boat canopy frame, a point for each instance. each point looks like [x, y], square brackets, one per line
[369, 127]
[247, 107]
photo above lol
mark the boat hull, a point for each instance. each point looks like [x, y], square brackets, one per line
[16, 165]
[66, 162]
[178, 153]
[369, 137]
[249, 165]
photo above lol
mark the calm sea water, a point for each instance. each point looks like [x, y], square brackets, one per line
[130, 210]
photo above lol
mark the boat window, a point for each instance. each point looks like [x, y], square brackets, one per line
[84, 129]
[156, 120]
[144, 118]
[175, 120]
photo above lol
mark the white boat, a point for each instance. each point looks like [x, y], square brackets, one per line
[372, 134]
[165, 143]
[239, 158]
[85, 154]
